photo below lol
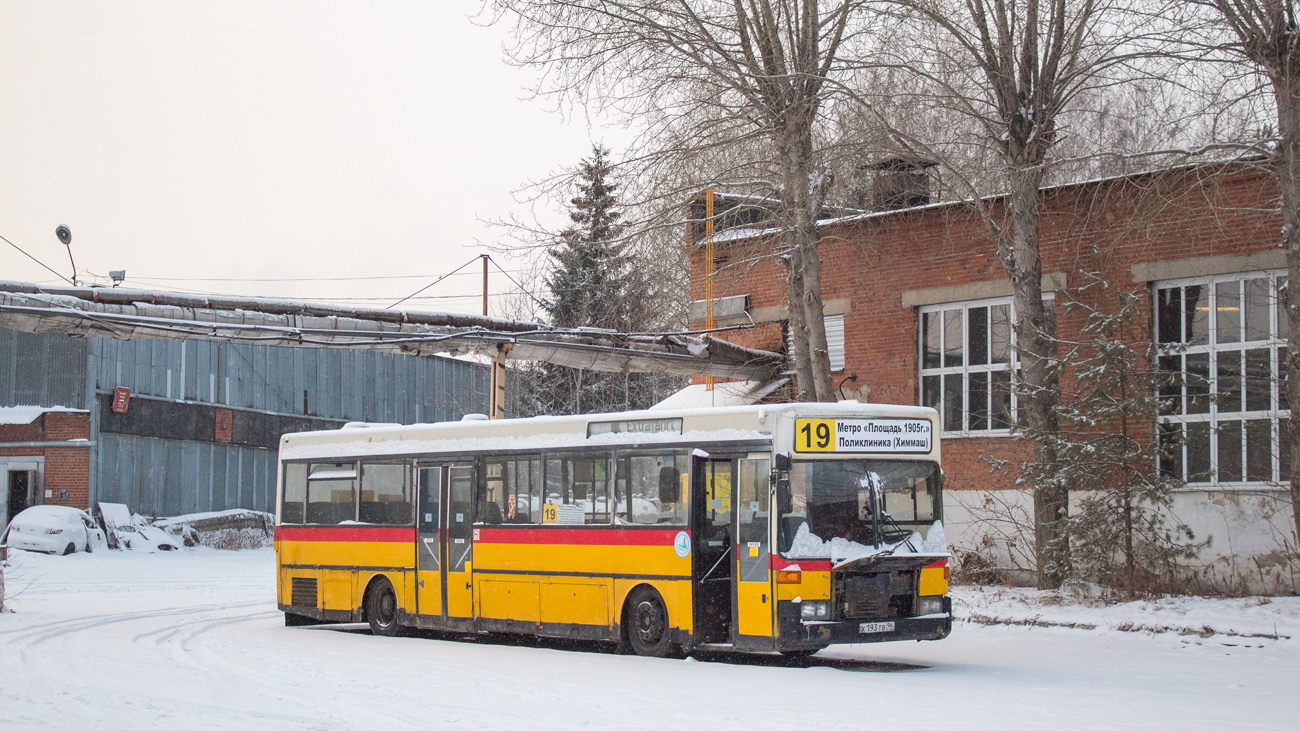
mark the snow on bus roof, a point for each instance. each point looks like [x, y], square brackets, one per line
[567, 431]
[367, 448]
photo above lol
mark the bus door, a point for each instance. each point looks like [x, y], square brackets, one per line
[458, 499]
[430, 548]
[711, 527]
[755, 605]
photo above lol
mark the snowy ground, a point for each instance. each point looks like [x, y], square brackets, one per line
[191, 639]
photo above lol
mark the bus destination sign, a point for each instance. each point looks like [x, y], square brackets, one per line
[635, 426]
[863, 436]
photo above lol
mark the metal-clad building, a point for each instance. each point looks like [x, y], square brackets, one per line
[204, 417]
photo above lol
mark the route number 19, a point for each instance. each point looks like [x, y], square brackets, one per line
[814, 435]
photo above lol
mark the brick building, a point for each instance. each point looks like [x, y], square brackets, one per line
[44, 457]
[918, 311]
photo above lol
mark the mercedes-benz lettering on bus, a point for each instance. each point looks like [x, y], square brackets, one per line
[784, 527]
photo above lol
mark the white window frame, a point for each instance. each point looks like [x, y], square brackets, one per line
[1276, 347]
[966, 368]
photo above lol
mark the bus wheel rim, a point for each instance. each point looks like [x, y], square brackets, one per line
[649, 622]
[387, 608]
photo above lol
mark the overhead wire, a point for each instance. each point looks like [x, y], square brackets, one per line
[521, 287]
[38, 261]
[430, 284]
[293, 279]
[414, 296]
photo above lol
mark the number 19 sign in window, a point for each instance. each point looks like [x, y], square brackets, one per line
[862, 436]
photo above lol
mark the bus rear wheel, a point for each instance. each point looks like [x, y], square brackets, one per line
[646, 620]
[381, 609]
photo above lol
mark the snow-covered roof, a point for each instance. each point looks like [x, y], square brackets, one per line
[28, 414]
[730, 393]
[739, 234]
[127, 314]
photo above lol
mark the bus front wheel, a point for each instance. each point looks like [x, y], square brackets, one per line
[381, 609]
[646, 620]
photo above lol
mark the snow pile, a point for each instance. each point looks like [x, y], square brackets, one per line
[1259, 617]
[226, 529]
[808, 545]
[935, 541]
[233, 530]
[10, 415]
[235, 539]
[840, 550]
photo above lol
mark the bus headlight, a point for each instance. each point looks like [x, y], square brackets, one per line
[814, 610]
[929, 605]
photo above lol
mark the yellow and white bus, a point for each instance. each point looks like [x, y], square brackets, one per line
[783, 527]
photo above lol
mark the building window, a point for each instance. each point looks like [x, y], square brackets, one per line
[1225, 337]
[834, 342]
[967, 354]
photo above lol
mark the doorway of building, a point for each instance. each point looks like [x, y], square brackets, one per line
[20, 493]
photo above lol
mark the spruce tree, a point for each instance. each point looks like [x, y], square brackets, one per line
[588, 285]
[594, 281]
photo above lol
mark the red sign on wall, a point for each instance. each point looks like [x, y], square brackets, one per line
[224, 427]
[121, 399]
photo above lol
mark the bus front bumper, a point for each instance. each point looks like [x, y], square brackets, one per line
[799, 634]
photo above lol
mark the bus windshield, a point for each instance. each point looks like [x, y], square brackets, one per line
[843, 506]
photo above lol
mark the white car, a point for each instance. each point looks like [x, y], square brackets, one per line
[55, 529]
[145, 538]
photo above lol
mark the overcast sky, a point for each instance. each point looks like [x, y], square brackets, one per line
[266, 139]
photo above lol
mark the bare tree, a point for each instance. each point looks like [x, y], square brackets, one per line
[711, 75]
[1263, 37]
[1013, 71]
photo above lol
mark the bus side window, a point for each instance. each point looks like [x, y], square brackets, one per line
[293, 508]
[386, 493]
[491, 495]
[513, 491]
[332, 493]
[651, 489]
[578, 485]
[523, 490]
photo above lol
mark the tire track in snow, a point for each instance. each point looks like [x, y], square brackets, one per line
[179, 644]
[45, 655]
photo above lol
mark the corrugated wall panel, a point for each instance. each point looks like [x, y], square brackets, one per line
[43, 369]
[169, 477]
[341, 384]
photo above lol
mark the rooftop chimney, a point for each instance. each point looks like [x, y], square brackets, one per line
[902, 181]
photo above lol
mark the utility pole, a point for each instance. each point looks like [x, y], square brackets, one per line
[708, 271]
[497, 387]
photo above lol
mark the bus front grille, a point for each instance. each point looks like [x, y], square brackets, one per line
[303, 592]
[866, 596]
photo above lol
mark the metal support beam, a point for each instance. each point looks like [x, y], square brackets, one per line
[497, 407]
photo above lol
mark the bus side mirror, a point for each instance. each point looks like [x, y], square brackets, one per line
[782, 462]
[669, 483]
[783, 501]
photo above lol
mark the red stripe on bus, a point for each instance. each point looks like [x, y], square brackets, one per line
[779, 563]
[578, 536]
[346, 533]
